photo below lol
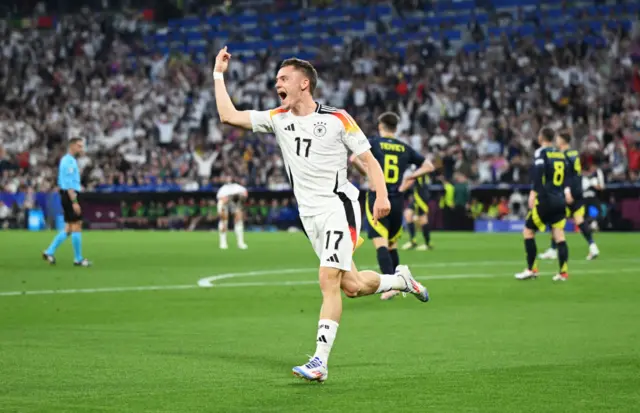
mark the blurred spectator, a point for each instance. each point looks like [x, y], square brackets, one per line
[150, 123]
[476, 208]
[503, 208]
[517, 204]
[493, 211]
[274, 212]
[5, 216]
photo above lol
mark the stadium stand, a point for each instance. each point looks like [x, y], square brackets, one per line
[472, 80]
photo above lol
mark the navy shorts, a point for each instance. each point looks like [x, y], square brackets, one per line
[420, 205]
[543, 215]
[389, 227]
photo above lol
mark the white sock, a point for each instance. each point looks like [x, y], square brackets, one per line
[390, 282]
[222, 232]
[327, 330]
[239, 228]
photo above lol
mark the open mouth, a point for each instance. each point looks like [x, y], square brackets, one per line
[283, 95]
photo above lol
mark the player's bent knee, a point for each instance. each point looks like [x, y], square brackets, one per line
[380, 242]
[350, 289]
[528, 233]
[558, 235]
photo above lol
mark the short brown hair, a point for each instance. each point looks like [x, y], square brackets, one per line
[389, 121]
[547, 134]
[565, 136]
[74, 140]
[306, 68]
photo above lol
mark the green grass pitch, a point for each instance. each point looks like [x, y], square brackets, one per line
[86, 340]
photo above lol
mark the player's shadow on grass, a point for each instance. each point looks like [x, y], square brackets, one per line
[239, 358]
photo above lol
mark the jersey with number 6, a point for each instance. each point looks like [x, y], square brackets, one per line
[315, 149]
[395, 158]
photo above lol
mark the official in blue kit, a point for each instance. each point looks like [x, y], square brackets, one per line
[69, 184]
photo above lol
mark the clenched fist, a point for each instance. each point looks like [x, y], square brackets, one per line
[222, 60]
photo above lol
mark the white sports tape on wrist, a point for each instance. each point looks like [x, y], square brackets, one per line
[218, 76]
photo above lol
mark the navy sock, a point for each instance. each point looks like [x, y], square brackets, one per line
[426, 232]
[563, 256]
[553, 244]
[395, 258]
[384, 261]
[532, 251]
[411, 227]
[586, 232]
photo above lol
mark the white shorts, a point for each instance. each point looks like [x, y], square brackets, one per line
[333, 234]
[230, 206]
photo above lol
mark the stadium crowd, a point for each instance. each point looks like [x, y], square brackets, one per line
[149, 120]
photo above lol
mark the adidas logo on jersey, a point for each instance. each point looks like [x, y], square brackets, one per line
[290, 128]
[333, 258]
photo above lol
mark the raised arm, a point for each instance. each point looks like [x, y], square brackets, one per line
[226, 110]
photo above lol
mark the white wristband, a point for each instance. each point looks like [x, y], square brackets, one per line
[218, 76]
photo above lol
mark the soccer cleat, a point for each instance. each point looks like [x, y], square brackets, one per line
[549, 254]
[423, 247]
[224, 246]
[49, 258]
[413, 286]
[314, 370]
[409, 245]
[563, 276]
[84, 263]
[527, 275]
[593, 252]
[243, 246]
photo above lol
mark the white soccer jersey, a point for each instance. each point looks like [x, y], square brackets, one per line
[315, 150]
[230, 190]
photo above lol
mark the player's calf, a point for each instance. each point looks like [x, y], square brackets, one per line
[330, 313]
[531, 252]
[222, 233]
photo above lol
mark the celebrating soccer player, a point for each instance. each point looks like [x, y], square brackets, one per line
[396, 158]
[575, 208]
[315, 140]
[69, 185]
[547, 205]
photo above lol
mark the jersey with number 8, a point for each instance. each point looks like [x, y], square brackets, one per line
[315, 149]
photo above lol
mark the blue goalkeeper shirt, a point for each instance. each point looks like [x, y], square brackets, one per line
[69, 173]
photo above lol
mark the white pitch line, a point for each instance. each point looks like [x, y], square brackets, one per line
[99, 290]
[208, 282]
[261, 283]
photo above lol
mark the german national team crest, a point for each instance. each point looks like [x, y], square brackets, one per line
[319, 129]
